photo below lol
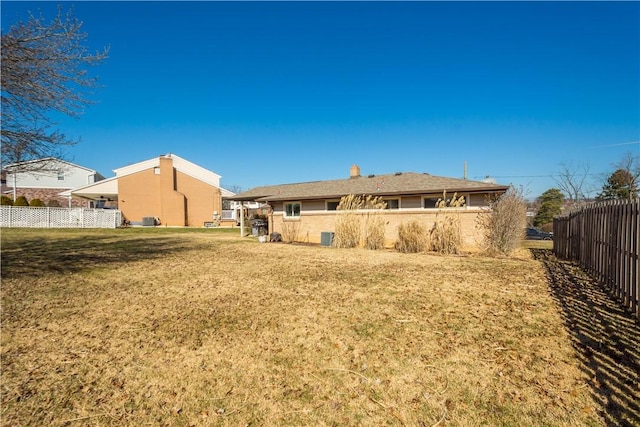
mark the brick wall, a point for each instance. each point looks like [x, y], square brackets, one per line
[46, 194]
[311, 225]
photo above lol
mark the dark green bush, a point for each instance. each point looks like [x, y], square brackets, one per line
[21, 201]
[37, 203]
[53, 203]
[6, 201]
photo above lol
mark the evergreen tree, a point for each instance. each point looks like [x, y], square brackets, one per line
[620, 185]
[551, 202]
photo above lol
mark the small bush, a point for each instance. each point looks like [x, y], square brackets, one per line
[21, 201]
[36, 203]
[290, 231]
[504, 224]
[53, 203]
[6, 201]
[412, 237]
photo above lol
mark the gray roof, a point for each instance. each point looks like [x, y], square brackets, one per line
[401, 183]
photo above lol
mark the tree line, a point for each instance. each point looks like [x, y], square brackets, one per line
[622, 183]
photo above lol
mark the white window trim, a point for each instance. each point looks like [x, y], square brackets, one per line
[284, 210]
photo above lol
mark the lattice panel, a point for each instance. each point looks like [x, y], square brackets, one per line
[36, 217]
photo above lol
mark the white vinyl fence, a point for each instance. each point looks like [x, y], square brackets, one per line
[36, 217]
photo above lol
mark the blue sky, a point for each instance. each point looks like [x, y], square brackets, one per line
[279, 92]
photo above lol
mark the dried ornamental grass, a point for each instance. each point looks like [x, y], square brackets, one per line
[446, 234]
[374, 224]
[412, 237]
[347, 228]
[358, 220]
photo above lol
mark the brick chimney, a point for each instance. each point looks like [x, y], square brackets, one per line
[354, 172]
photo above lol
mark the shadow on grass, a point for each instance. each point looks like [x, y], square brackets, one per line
[605, 336]
[32, 256]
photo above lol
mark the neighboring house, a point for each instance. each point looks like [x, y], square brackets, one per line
[169, 188]
[310, 207]
[45, 179]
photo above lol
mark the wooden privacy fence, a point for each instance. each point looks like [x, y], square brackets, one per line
[36, 217]
[604, 238]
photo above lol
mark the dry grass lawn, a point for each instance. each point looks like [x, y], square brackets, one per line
[167, 327]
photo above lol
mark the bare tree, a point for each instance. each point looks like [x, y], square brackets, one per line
[234, 188]
[44, 70]
[572, 180]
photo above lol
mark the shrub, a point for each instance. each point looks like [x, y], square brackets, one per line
[290, 230]
[412, 237]
[53, 203]
[6, 201]
[446, 234]
[36, 203]
[21, 201]
[503, 226]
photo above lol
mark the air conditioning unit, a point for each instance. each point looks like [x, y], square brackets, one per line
[148, 221]
[326, 238]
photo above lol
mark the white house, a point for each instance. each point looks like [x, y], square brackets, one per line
[46, 178]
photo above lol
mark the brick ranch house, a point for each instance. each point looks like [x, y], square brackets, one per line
[173, 190]
[311, 206]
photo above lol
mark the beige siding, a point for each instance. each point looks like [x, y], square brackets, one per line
[313, 205]
[310, 225]
[411, 202]
[479, 200]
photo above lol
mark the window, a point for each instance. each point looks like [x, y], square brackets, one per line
[392, 203]
[60, 175]
[430, 202]
[156, 170]
[292, 210]
[332, 205]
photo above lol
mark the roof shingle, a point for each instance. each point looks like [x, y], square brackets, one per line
[406, 183]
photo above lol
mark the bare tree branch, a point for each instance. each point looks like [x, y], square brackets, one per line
[43, 71]
[571, 180]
